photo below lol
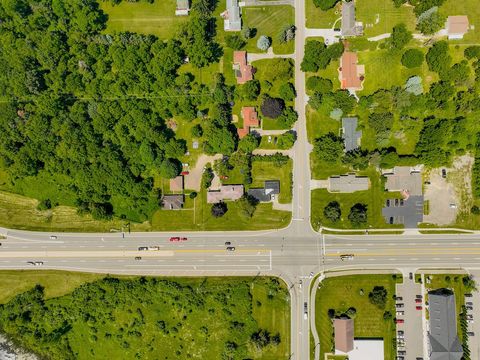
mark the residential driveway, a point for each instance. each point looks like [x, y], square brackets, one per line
[440, 194]
[251, 57]
[328, 34]
[413, 326]
[318, 184]
[194, 178]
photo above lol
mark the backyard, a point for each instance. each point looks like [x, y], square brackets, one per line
[157, 18]
[269, 21]
[180, 318]
[262, 171]
[343, 292]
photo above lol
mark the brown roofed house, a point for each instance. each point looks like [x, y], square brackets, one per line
[250, 119]
[176, 184]
[172, 202]
[226, 192]
[243, 71]
[457, 26]
[351, 74]
[343, 334]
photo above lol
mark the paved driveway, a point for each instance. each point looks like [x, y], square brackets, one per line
[413, 327]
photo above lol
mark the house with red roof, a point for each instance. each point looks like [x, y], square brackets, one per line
[243, 71]
[250, 119]
[351, 73]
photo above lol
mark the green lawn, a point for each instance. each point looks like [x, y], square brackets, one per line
[197, 216]
[343, 292]
[265, 144]
[269, 21]
[374, 198]
[317, 18]
[132, 317]
[380, 16]
[144, 18]
[262, 171]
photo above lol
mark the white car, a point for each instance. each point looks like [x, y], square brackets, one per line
[346, 257]
[53, 237]
[35, 263]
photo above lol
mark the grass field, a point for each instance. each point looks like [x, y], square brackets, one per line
[179, 318]
[262, 171]
[343, 292]
[144, 18]
[380, 16]
[374, 198]
[269, 21]
[317, 18]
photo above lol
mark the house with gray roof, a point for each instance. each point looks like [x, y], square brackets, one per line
[351, 137]
[350, 27]
[172, 202]
[271, 187]
[348, 183]
[443, 339]
[232, 20]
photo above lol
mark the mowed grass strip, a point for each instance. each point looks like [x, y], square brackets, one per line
[157, 18]
[343, 292]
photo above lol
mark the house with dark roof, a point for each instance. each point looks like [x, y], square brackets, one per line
[173, 202]
[270, 187]
[443, 339]
[250, 119]
[232, 20]
[351, 74]
[351, 137]
[183, 7]
[243, 71]
[343, 335]
[350, 27]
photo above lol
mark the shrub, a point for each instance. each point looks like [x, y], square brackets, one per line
[234, 42]
[358, 214]
[44, 205]
[272, 107]
[287, 91]
[378, 296]
[263, 43]
[325, 4]
[193, 195]
[400, 36]
[332, 211]
[286, 140]
[321, 85]
[197, 131]
[412, 58]
[472, 52]
[219, 209]
[475, 210]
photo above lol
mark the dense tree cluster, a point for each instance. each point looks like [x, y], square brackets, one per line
[91, 110]
[318, 55]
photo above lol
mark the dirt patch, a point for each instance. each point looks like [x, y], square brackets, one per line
[194, 178]
[450, 196]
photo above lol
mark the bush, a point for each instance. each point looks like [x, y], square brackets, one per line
[325, 4]
[287, 34]
[207, 178]
[321, 85]
[288, 117]
[44, 205]
[358, 214]
[400, 36]
[219, 209]
[272, 107]
[286, 140]
[287, 91]
[263, 43]
[378, 296]
[475, 210]
[248, 32]
[472, 52]
[234, 42]
[412, 58]
[332, 211]
[197, 131]
[193, 195]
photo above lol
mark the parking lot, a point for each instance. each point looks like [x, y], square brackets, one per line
[474, 325]
[409, 309]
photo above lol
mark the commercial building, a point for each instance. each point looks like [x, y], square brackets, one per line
[343, 329]
[232, 20]
[443, 340]
[348, 183]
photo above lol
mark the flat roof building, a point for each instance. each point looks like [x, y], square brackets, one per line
[443, 339]
[350, 27]
[406, 180]
[232, 20]
[348, 183]
[351, 137]
[226, 192]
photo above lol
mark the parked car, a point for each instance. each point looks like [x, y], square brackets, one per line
[387, 204]
[227, 243]
[400, 332]
[468, 295]
[470, 308]
[399, 321]
[410, 276]
[184, 173]
[470, 333]
[469, 303]
[418, 301]
[400, 312]
[453, 206]
[402, 352]
[401, 202]
[399, 298]
[418, 296]
[399, 305]
[469, 317]
[444, 173]
[418, 307]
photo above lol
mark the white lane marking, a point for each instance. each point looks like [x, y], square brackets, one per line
[436, 259]
[413, 259]
[457, 258]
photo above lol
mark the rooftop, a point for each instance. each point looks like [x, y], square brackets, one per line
[351, 74]
[172, 202]
[243, 71]
[457, 25]
[231, 16]
[351, 136]
[405, 180]
[343, 334]
[250, 119]
[226, 192]
[348, 18]
[366, 349]
[348, 183]
[443, 340]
